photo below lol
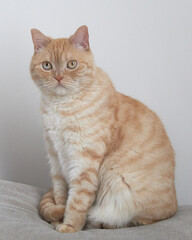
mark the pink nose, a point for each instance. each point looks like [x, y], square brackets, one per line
[58, 78]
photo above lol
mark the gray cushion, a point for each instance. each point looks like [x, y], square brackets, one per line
[19, 219]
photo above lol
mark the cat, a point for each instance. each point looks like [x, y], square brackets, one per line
[111, 161]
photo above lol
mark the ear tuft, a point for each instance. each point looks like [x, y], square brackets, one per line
[81, 38]
[39, 39]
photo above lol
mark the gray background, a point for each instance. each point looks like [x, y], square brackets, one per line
[146, 48]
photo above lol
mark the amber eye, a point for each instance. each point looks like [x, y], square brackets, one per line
[72, 64]
[47, 65]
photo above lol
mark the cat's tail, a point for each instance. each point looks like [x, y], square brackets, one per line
[49, 211]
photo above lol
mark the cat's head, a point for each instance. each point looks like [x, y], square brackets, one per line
[62, 66]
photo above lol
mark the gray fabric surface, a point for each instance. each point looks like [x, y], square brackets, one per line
[19, 220]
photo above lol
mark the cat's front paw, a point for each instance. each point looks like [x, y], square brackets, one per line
[64, 228]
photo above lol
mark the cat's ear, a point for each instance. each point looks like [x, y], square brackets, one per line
[81, 38]
[39, 39]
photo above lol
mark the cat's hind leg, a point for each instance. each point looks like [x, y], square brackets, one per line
[114, 206]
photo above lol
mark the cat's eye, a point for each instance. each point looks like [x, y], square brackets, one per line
[72, 64]
[47, 65]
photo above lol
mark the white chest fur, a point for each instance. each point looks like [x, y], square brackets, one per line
[71, 131]
[65, 141]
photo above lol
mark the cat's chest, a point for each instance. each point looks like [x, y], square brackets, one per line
[66, 138]
[62, 130]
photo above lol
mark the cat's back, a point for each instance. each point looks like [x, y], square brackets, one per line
[141, 129]
[135, 113]
[132, 109]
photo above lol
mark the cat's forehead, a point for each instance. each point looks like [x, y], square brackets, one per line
[59, 49]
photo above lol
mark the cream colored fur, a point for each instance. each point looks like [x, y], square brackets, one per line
[111, 161]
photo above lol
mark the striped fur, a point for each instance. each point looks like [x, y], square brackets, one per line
[111, 162]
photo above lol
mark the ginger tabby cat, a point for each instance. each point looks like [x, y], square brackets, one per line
[111, 161]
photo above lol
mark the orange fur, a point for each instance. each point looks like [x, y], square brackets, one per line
[111, 161]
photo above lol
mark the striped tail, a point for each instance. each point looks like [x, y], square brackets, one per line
[49, 211]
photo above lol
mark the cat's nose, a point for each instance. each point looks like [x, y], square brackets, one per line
[58, 78]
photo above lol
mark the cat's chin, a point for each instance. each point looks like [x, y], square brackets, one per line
[61, 91]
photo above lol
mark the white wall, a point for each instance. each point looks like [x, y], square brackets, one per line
[146, 48]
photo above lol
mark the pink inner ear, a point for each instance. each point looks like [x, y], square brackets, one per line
[39, 39]
[81, 38]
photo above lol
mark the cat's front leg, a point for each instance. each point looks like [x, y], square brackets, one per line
[52, 205]
[58, 180]
[81, 195]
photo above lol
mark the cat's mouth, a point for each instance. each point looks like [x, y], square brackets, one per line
[60, 90]
[60, 86]
[64, 85]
